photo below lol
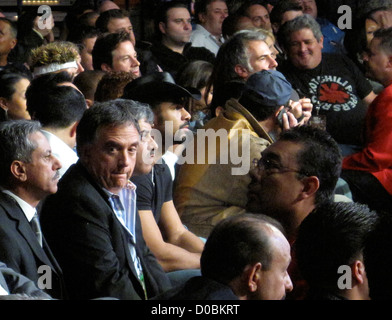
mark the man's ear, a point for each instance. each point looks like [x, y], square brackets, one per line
[72, 131]
[18, 170]
[389, 63]
[3, 103]
[358, 271]
[310, 186]
[202, 17]
[106, 67]
[162, 27]
[322, 41]
[241, 71]
[89, 103]
[252, 273]
[14, 42]
[275, 27]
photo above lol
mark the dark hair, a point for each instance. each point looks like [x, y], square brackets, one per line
[385, 36]
[103, 47]
[25, 22]
[236, 242]
[83, 33]
[201, 7]
[280, 8]
[111, 86]
[15, 144]
[87, 82]
[378, 258]
[232, 52]
[320, 157]
[243, 10]
[104, 18]
[103, 114]
[8, 81]
[195, 74]
[161, 13]
[331, 236]
[53, 105]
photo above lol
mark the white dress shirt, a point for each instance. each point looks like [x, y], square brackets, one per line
[200, 37]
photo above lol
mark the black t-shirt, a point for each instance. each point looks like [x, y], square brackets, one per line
[154, 189]
[338, 87]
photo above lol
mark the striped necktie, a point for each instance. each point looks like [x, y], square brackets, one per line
[36, 228]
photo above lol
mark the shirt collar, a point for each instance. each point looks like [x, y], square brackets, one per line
[27, 209]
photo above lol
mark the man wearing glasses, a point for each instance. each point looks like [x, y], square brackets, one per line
[295, 175]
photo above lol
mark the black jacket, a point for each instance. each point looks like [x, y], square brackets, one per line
[92, 246]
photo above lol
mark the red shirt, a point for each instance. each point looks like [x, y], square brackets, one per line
[376, 156]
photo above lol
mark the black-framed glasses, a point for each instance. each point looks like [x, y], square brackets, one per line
[269, 167]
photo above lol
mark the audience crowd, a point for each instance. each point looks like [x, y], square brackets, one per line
[242, 151]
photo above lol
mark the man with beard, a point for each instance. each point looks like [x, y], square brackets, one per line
[168, 101]
[175, 247]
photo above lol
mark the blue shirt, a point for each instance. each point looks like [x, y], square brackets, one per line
[124, 207]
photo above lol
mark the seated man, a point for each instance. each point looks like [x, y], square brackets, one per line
[369, 171]
[329, 251]
[249, 264]
[54, 101]
[176, 248]
[115, 52]
[29, 173]
[337, 88]
[287, 183]
[333, 36]
[208, 31]
[173, 49]
[257, 11]
[212, 186]
[94, 230]
[55, 57]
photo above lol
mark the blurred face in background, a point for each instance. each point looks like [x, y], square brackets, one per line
[212, 20]
[16, 105]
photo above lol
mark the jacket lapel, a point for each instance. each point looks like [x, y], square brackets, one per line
[15, 213]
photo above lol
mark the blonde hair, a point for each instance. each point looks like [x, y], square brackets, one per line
[54, 52]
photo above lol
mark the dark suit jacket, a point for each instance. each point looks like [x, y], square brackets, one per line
[15, 283]
[92, 246]
[199, 288]
[20, 250]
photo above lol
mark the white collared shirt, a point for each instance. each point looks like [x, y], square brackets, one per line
[27, 209]
[200, 37]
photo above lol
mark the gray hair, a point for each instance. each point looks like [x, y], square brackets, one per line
[104, 114]
[304, 21]
[16, 144]
[235, 51]
[142, 111]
